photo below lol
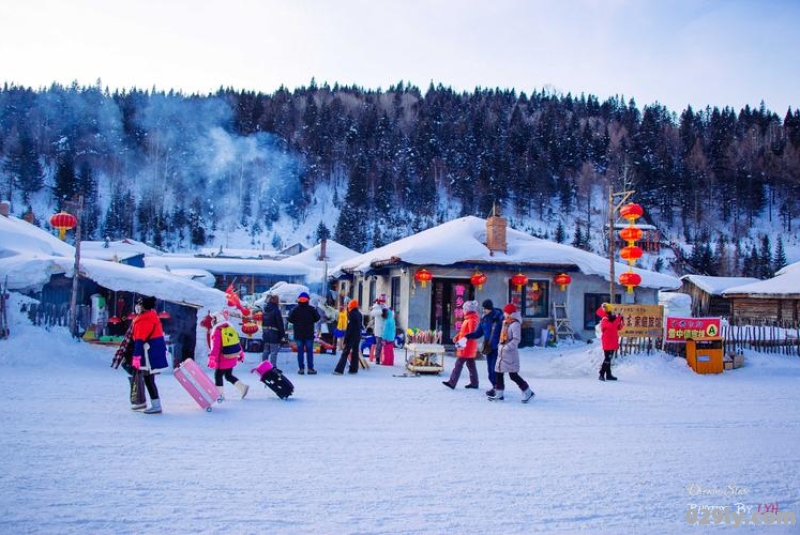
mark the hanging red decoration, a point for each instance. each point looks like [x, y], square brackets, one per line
[563, 280]
[630, 279]
[114, 320]
[131, 316]
[519, 280]
[258, 316]
[245, 311]
[631, 212]
[249, 328]
[631, 234]
[423, 276]
[478, 279]
[63, 222]
[164, 315]
[631, 253]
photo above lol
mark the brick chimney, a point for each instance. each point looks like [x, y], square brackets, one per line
[323, 249]
[496, 227]
[5, 208]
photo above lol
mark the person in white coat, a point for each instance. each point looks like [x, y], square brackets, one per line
[376, 313]
[508, 356]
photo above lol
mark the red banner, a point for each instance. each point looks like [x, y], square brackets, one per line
[681, 329]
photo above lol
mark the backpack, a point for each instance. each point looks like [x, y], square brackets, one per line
[230, 341]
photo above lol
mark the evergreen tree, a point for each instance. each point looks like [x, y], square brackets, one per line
[780, 255]
[323, 233]
[765, 259]
[560, 235]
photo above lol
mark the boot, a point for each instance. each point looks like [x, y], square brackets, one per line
[527, 395]
[609, 377]
[497, 396]
[221, 396]
[242, 388]
[138, 406]
[602, 372]
[155, 407]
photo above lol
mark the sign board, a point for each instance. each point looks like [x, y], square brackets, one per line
[641, 321]
[681, 329]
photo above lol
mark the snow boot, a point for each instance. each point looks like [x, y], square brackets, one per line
[449, 385]
[155, 407]
[602, 372]
[496, 396]
[138, 406]
[609, 377]
[527, 395]
[242, 388]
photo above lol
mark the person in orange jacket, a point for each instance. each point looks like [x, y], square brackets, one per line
[466, 354]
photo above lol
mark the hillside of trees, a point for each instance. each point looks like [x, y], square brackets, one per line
[173, 170]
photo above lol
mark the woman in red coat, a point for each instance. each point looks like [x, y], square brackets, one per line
[610, 326]
[467, 353]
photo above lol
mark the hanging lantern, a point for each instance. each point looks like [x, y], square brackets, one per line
[631, 253]
[249, 328]
[245, 311]
[630, 279]
[63, 222]
[519, 280]
[258, 316]
[114, 320]
[478, 279]
[164, 315]
[423, 276]
[562, 279]
[631, 212]
[631, 234]
[131, 316]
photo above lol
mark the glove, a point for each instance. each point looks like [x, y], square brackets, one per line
[137, 362]
[212, 362]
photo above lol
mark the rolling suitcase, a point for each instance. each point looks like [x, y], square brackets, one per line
[197, 383]
[274, 379]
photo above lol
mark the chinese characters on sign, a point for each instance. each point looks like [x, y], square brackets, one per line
[682, 329]
[642, 321]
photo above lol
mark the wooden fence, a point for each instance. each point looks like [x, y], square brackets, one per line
[779, 337]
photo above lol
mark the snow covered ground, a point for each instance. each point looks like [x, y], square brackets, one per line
[373, 453]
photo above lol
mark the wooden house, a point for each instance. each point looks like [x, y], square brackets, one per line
[706, 293]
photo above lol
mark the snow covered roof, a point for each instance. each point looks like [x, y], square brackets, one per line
[785, 285]
[116, 250]
[336, 253]
[463, 240]
[30, 256]
[717, 285]
[237, 266]
[229, 252]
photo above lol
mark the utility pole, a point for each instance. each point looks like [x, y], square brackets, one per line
[73, 302]
[612, 212]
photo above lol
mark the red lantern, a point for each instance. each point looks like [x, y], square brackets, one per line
[519, 280]
[631, 234]
[114, 320]
[63, 222]
[249, 328]
[630, 279]
[478, 279]
[164, 315]
[631, 253]
[423, 276]
[631, 212]
[562, 279]
[258, 316]
[245, 311]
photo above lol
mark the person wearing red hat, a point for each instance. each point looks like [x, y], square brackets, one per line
[352, 339]
[304, 317]
[508, 356]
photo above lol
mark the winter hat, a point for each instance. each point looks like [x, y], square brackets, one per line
[608, 307]
[510, 308]
[352, 304]
[381, 299]
[303, 297]
[487, 304]
[220, 316]
[148, 303]
[470, 306]
[273, 298]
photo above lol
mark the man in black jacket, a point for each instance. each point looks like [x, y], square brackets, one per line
[274, 330]
[304, 317]
[352, 339]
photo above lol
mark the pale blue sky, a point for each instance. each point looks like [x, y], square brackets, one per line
[678, 52]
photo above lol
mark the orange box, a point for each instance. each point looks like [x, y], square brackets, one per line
[705, 356]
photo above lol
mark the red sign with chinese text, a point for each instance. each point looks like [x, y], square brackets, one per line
[682, 329]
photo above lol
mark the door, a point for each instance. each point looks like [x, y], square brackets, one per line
[448, 295]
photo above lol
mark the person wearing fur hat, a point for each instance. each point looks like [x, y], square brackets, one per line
[304, 317]
[274, 330]
[489, 328]
[610, 325]
[466, 354]
[508, 355]
[149, 348]
[352, 339]
[226, 352]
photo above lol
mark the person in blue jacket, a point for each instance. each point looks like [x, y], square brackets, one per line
[489, 328]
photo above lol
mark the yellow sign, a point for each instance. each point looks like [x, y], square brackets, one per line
[641, 321]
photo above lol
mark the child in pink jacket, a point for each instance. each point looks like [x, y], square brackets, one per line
[226, 353]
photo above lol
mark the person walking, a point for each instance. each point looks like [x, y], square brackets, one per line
[376, 313]
[226, 353]
[124, 357]
[508, 356]
[466, 354]
[610, 325]
[489, 328]
[149, 349]
[304, 317]
[352, 338]
[274, 330]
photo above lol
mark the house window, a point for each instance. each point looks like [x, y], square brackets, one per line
[394, 297]
[373, 283]
[533, 300]
[591, 302]
[361, 292]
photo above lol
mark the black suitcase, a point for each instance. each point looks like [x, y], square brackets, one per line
[278, 383]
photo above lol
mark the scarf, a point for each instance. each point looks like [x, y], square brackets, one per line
[504, 333]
